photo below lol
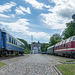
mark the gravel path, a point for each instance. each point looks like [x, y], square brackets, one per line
[32, 64]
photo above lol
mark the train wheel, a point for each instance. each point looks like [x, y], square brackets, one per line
[22, 53]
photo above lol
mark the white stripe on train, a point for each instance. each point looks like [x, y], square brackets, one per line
[68, 49]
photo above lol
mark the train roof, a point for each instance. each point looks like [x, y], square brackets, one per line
[3, 30]
[65, 41]
[50, 47]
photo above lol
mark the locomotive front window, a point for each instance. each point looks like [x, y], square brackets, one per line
[73, 38]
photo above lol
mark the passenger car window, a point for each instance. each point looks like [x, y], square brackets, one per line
[12, 40]
[9, 39]
[16, 43]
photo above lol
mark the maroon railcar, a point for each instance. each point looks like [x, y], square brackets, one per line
[66, 47]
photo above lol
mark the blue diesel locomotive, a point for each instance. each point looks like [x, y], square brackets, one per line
[10, 45]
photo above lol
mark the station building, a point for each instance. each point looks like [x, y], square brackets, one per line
[35, 48]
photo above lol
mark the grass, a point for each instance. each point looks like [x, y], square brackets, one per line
[64, 61]
[66, 69]
[2, 64]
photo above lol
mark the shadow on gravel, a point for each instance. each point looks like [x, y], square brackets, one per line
[63, 56]
[10, 57]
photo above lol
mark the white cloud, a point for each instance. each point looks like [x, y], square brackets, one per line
[7, 7]
[64, 8]
[61, 14]
[21, 25]
[21, 10]
[25, 10]
[12, 15]
[53, 21]
[37, 4]
[4, 16]
[18, 26]
[39, 35]
[7, 16]
[47, 6]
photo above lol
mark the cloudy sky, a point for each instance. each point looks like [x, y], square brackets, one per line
[40, 18]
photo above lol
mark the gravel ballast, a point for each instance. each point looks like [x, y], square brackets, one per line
[32, 64]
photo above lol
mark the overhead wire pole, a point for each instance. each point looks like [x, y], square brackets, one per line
[31, 39]
[31, 43]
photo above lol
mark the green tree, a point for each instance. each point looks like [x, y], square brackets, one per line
[52, 41]
[44, 47]
[55, 39]
[69, 31]
[33, 42]
[27, 46]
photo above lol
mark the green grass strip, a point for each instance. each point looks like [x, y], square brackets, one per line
[2, 64]
[66, 69]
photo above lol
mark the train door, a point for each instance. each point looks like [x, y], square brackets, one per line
[3, 40]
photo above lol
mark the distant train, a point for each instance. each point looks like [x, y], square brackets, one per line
[10, 45]
[63, 48]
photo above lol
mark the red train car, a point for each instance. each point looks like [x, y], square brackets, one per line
[66, 47]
